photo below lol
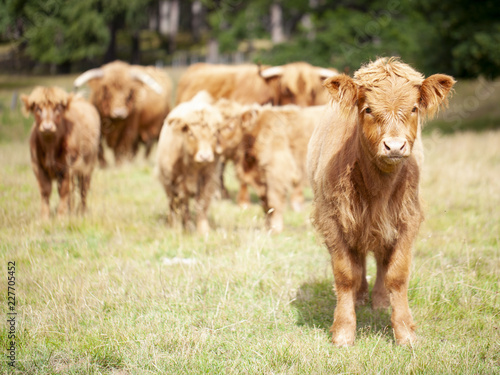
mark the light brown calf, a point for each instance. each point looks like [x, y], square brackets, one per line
[64, 144]
[264, 160]
[299, 123]
[187, 162]
[364, 166]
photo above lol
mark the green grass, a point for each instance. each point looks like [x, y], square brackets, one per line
[96, 296]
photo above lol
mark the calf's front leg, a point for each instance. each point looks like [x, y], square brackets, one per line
[45, 185]
[64, 188]
[348, 274]
[208, 183]
[394, 270]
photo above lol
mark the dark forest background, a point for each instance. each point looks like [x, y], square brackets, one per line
[457, 37]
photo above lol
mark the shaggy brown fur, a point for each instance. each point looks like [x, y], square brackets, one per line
[298, 83]
[132, 110]
[240, 83]
[249, 137]
[364, 164]
[64, 144]
[187, 162]
[264, 160]
[299, 124]
[295, 83]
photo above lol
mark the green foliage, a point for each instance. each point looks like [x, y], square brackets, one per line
[466, 36]
[57, 33]
[459, 38]
[234, 21]
[347, 36]
[455, 37]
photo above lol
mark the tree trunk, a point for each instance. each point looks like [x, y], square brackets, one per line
[196, 21]
[306, 21]
[135, 57]
[110, 54]
[168, 21]
[213, 51]
[174, 25]
[277, 35]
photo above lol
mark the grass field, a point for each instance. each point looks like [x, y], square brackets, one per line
[105, 294]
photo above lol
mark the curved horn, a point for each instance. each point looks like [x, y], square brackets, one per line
[87, 76]
[271, 72]
[326, 73]
[147, 80]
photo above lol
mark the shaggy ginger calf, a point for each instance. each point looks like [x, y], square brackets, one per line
[64, 144]
[187, 162]
[364, 162]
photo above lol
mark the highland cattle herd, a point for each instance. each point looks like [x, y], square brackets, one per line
[249, 115]
[357, 141]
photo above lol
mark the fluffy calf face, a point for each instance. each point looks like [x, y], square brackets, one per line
[388, 99]
[47, 105]
[235, 119]
[199, 132]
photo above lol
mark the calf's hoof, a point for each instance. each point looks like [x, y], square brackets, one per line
[342, 337]
[296, 206]
[361, 298]
[405, 335]
[380, 301]
[243, 205]
[202, 227]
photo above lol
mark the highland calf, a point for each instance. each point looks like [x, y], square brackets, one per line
[299, 125]
[264, 160]
[64, 144]
[364, 161]
[132, 101]
[188, 160]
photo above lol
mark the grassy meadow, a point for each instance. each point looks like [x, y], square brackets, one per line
[119, 292]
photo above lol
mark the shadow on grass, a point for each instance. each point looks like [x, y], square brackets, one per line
[316, 302]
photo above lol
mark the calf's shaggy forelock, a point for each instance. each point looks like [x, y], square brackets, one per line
[364, 161]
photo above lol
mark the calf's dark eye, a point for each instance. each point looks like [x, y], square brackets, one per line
[414, 109]
[368, 110]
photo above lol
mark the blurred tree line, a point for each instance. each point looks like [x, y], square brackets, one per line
[458, 37]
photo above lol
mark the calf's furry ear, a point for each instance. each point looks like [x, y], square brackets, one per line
[69, 99]
[27, 106]
[248, 118]
[434, 93]
[343, 91]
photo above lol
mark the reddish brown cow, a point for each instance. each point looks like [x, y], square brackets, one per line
[364, 166]
[132, 101]
[64, 144]
[296, 83]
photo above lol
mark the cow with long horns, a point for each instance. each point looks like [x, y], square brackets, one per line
[132, 101]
